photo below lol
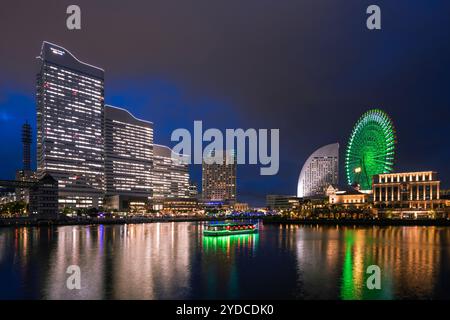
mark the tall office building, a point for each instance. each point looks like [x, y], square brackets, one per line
[70, 120]
[219, 179]
[170, 175]
[128, 159]
[319, 171]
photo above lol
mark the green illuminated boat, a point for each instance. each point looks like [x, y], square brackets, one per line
[227, 229]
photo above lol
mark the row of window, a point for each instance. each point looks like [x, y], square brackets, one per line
[406, 177]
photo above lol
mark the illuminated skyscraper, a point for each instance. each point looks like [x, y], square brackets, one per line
[70, 120]
[219, 179]
[128, 158]
[170, 175]
[319, 171]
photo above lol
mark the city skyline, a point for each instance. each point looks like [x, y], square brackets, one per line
[47, 46]
[102, 156]
[225, 157]
[159, 80]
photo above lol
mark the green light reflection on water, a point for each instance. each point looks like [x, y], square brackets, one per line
[220, 254]
[353, 286]
[348, 290]
[225, 243]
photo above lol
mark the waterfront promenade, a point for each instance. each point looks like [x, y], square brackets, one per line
[10, 222]
[25, 221]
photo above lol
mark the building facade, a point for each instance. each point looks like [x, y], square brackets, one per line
[319, 171]
[22, 194]
[44, 198]
[219, 177]
[193, 190]
[43, 195]
[445, 196]
[283, 202]
[26, 146]
[70, 121]
[410, 194]
[170, 177]
[241, 206]
[128, 159]
[347, 197]
[180, 206]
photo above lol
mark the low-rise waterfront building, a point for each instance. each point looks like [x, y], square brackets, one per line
[43, 195]
[125, 203]
[241, 206]
[347, 197]
[180, 206]
[44, 198]
[283, 202]
[445, 196]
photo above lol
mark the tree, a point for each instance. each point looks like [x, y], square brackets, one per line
[14, 208]
[92, 212]
[66, 211]
[81, 212]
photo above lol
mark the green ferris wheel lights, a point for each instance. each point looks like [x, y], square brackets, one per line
[370, 148]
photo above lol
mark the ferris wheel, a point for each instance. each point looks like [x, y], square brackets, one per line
[370, 149]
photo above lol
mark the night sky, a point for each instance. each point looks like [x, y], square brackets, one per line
[307, 67]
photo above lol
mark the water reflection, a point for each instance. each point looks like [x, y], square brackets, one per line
[174, 261]
[409, 258]
[221, 262]
[231, 244]
[122, 262]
